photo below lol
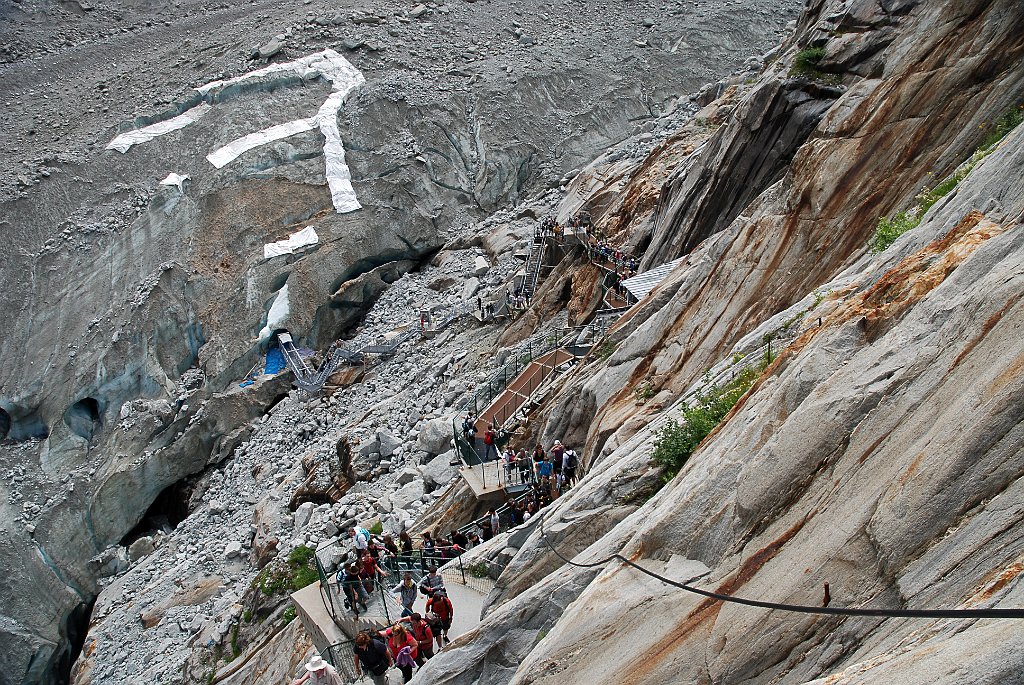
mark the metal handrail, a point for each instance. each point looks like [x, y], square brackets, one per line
[335, 655]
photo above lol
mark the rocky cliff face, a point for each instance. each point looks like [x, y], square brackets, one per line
[136, 300]
[879, 453]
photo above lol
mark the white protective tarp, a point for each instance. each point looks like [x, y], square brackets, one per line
[123, 142]
[177, 180]
[289, 245]
[228, 153]
[344, 78]
[277, 314]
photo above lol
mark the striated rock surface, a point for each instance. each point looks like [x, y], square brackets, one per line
[135, 305]
[880, 451]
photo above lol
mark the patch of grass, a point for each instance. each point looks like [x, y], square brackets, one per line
[678, 439]
[376, 529]
[247, 616]
[889, 229]
[606, 350]
[235, 649]
[1010, 120]
[288, 615]
[806, 64]
[478, 570]
[289, 576]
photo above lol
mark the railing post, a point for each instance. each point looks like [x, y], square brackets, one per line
[462, 568]
[384, 602]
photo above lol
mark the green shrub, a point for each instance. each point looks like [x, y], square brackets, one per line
[377, 528]
[606, 350]
[808, 59]
[290, 576]
[301, 556]
[1010, 120]
[889, 229]
[678, 439]
[288, 615]
[479, 570]
[806, 64]
[644, 391]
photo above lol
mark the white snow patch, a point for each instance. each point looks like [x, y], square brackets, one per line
[277, 314]
[123, 142]
[289, 245]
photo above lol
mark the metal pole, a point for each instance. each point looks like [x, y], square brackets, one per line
[384, 603]
[462, 569]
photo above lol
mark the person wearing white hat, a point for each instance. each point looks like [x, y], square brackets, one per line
[319, 672]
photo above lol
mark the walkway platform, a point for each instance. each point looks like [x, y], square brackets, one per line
[467, 602]
[486, 479]
[519, 391]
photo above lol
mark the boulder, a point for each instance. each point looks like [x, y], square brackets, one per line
[140, 548]
[271, 47]
[302, 515]
[439, 470]
[408, 475]
[470, 288]
[436, 436]
[388, 444]
[481, 266]
[368, 447]
[408, 494]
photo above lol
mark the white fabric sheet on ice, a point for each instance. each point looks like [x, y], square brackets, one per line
[222, 156]
[177, 180]
[278, 313]
[289, 245]
[344, 78]
[123, 142]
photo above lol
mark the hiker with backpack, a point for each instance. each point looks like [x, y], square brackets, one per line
[441, 607]
[420, 629]
[406, 591]
[429, 553]
[361, 538]
[469, 428]
[352, 585]
[371, 655]
[490, 443]
[570, 462]
[432, 582]
[555, 454]
[370, 571]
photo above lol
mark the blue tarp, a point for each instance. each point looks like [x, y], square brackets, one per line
[275, 361]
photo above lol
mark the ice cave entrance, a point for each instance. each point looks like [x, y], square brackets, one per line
[84, 417]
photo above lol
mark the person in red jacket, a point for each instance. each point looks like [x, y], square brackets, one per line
[403, 649]
[420, 630]
[441, 607]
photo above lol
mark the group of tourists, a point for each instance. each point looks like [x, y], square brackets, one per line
[554, 469]
[600, 249]
[406, 644]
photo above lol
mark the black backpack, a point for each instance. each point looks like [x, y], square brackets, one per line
[573, 459]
